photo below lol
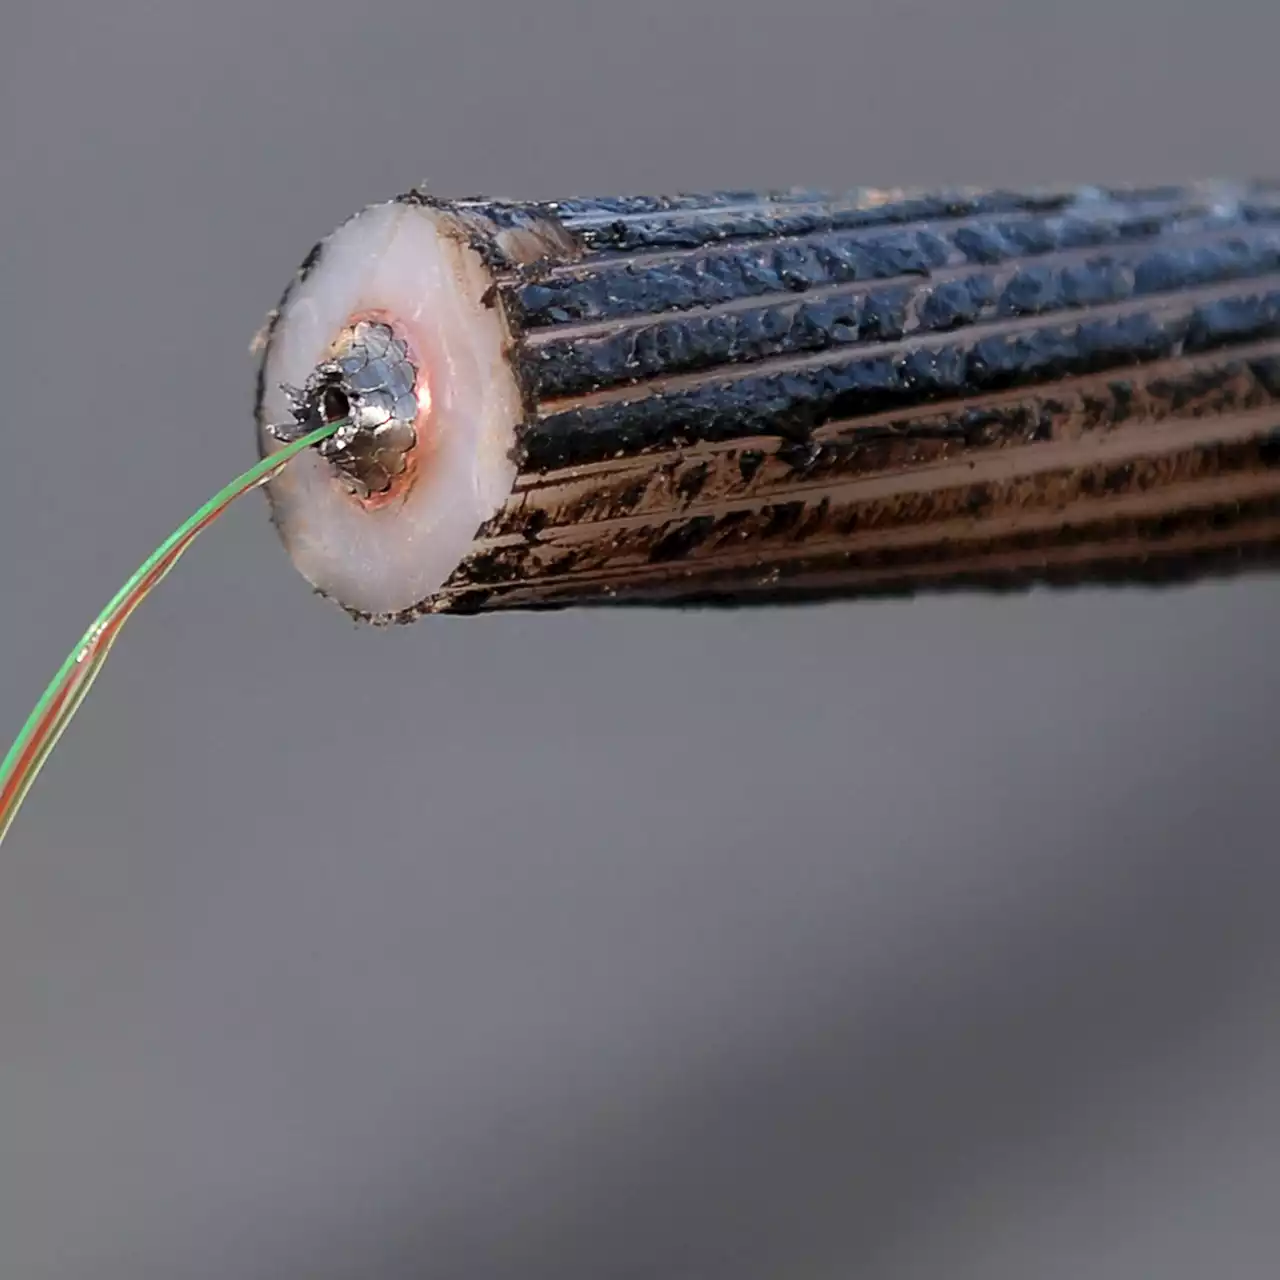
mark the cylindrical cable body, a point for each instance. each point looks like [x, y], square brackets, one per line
[744, 398]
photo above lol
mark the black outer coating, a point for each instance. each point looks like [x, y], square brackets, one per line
[861, 314]
[730, 284]
[717, 272]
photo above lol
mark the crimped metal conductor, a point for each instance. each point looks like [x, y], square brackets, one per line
[368, 384]
[744, 397]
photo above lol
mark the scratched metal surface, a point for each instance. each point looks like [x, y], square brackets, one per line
[892, 940]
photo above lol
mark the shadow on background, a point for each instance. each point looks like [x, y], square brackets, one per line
[835, 1138]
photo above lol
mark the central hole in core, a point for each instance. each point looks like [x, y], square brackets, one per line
[334, 404]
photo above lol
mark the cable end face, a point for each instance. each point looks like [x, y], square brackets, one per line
[389, 333]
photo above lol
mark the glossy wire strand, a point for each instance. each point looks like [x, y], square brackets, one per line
[60, 701]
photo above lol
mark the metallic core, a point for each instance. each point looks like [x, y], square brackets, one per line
[370, 382]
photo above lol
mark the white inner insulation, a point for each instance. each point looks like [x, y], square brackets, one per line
[399, 262]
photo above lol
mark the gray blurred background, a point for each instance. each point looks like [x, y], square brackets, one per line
[893, 940]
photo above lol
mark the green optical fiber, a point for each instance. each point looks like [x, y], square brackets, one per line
[67, 690]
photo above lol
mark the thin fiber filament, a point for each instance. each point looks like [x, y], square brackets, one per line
[67, 690]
